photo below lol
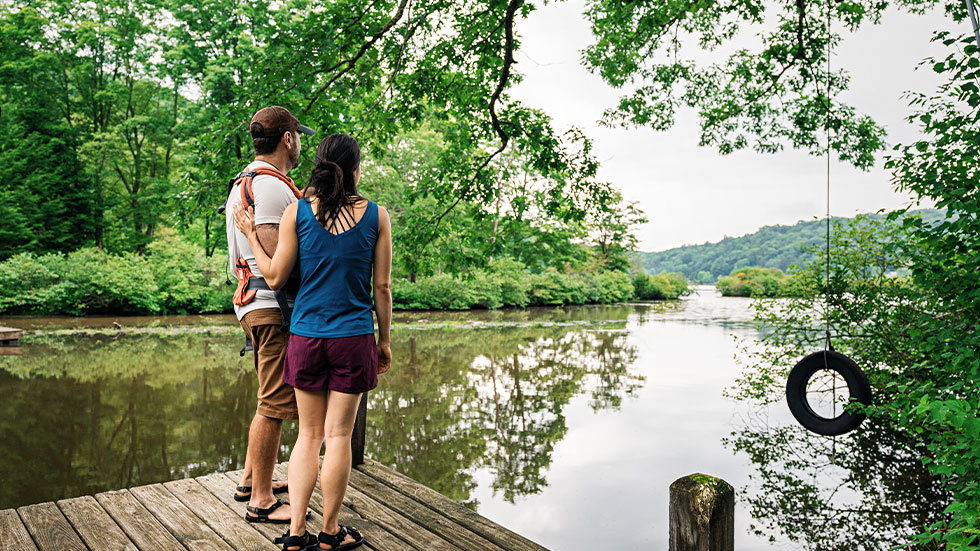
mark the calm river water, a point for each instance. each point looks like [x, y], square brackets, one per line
[566, 425]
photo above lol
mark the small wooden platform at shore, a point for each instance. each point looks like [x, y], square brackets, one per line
[10, 341]
[198, 514]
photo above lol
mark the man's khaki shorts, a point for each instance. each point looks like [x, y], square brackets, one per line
[276, 398]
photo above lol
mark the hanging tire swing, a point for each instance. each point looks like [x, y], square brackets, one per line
[798, 391]
[825, 363]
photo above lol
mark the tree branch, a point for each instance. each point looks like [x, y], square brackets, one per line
[494, 119]
[353, 60]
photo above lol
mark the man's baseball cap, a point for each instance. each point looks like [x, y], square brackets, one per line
[271, 122]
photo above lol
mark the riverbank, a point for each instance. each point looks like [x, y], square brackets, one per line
[176, 278]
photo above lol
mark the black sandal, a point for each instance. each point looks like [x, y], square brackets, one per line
[262, 515]
[304, 542]
[247, 490]
[335, 540]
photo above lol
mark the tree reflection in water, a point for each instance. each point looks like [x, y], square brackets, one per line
[867, 490]
[84, 414]
[494, 400]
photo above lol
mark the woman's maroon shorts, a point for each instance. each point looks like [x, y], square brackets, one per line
[345, 364]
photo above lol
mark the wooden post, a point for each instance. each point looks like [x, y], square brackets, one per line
[357, 438]
[702, 514]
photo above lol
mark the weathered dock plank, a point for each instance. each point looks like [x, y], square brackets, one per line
[223, 488]
[218, 516]
[189, 530]
[15, 534]
[420, 514]
[394, 512]
[49, 528]
[410, 532]
[136, 521]
[454, 511]
[94, 524]
[377, 537]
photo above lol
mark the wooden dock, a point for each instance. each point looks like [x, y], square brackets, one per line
[393, 511]
[10, 341]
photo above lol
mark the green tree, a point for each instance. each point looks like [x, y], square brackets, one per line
[766, 96]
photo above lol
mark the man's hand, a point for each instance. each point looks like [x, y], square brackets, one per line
[384, 357]
[244, 221]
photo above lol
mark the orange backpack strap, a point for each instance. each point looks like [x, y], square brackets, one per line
[248, 197]
[243, 295]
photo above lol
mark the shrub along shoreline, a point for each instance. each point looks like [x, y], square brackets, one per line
[175, 277]
[759, 282]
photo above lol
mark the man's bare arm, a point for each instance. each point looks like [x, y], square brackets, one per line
[268, 235]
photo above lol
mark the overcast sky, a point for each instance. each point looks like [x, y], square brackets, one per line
[693, 194]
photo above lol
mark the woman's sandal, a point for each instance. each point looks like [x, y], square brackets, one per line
[296, 543]
[335, 540]
[262, 515]
[244, 493]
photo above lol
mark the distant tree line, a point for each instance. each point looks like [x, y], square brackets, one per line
[769, 247]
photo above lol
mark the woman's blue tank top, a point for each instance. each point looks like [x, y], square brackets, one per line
[334, 298]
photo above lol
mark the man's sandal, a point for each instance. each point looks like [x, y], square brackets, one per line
[335, 540]
[244, 493]
[297, 543]
[262, 515]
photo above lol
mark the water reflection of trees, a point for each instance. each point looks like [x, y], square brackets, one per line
[492, 399]
[82, 414]
[867, 490]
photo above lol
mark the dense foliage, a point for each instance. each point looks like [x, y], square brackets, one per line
[120, 119]
[755, 282]
[764, 93]
[136, 114]
[661, 286]
[916, 335]
[172, 277]
[770, 247]
[175, 277]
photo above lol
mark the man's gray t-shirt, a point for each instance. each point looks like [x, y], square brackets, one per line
[272, 196]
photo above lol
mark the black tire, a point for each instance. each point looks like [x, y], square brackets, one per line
[857, 386]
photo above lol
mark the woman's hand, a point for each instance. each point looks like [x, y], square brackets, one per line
[244, 221]
[384, 357]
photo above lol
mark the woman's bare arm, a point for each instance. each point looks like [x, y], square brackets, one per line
[274, 270]
[382, 289]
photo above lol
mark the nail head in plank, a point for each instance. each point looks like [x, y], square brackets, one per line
[179, 520]
[455, 511]
[136, 521]
[94, 525]
[14, 533]
[232, 528]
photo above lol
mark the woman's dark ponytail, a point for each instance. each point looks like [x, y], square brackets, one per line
[332, 181]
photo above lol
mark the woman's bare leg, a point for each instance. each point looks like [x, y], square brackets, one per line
[339, 424]
[304, 458]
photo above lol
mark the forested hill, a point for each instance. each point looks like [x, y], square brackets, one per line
[769, 247]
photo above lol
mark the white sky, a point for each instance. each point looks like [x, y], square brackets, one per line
[692, 194]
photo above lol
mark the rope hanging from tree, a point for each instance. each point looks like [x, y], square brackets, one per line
[827, 361]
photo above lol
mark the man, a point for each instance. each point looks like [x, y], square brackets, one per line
[276, 139]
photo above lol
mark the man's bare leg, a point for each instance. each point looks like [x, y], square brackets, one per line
[254, 430]
[260, 460]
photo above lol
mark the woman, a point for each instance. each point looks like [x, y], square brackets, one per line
[338, 237]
